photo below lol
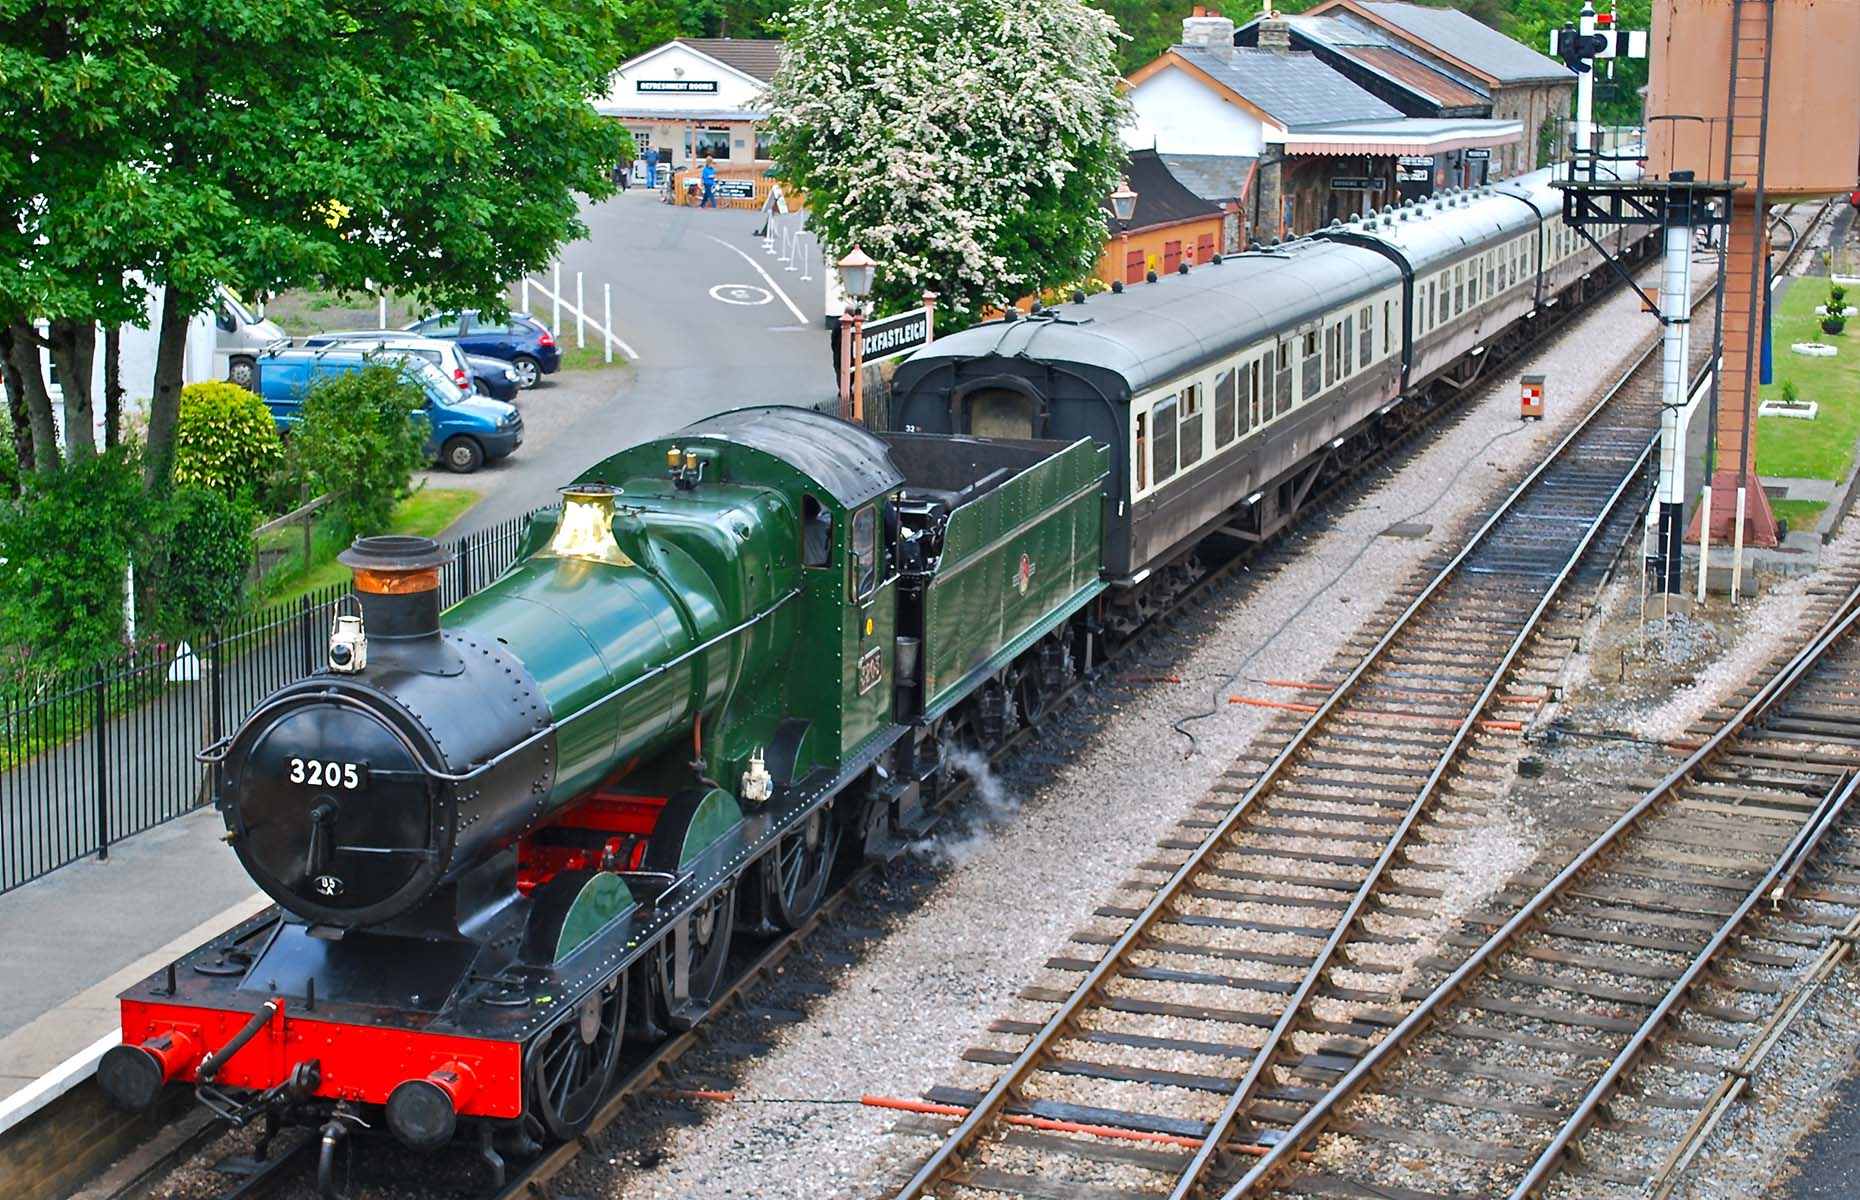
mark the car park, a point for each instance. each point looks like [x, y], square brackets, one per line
[467, 430]
[520, 340]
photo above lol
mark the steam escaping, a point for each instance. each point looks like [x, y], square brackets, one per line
[967, 829]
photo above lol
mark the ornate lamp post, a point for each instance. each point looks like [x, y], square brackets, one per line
[1124, 207]
[856, 272]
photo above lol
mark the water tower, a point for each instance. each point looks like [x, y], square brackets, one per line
[1763, 95]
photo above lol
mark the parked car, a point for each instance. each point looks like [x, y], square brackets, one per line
[442, 353]
[239, 337]
[494, 377]
[522, 341]
[468, 430]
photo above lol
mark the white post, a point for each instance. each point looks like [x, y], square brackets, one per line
[383, 308]
[798, 249]
[1676, 301]
[526, 291]
[555, 310]
[129, 603]
[581, 314]
[1585, 91]
[607, 319]
[1737, 548]
[787, 245]
[807, 258]
[1704, 539]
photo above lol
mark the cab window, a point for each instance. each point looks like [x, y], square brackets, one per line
[816, 533]
[865, 553]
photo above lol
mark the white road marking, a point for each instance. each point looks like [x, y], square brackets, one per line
[568, 306]
[766, 277]
[741, 293]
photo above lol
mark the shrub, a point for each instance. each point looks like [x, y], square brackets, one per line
[1791, 394]
[209, 552]
[363, 434]
[67, 541]
[225, 439]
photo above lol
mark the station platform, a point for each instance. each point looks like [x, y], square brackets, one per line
[72, 940]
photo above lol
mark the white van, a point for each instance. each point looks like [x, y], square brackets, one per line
[240, 336]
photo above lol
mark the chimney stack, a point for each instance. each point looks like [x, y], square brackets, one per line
[1275, 32]
[1208, 30]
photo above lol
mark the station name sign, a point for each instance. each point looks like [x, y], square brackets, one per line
[1477, 155]
[895, 335]
[675, 85]
[1354, 183]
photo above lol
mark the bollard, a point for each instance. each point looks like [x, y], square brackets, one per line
[581, 314]
[607, 319]
[383, 307]
[807, 257]
[555, 306]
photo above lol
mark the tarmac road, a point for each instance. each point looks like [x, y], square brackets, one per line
[710, 332]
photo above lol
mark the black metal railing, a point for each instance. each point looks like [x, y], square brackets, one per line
[88, 760]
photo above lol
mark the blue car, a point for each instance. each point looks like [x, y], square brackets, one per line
[522, 341]
[468, 430]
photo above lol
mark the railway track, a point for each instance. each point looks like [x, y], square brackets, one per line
[1654, 951]
[1250, 980]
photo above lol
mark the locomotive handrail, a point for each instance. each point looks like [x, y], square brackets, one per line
[216, 752]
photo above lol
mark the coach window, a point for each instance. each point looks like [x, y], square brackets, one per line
[1143, 451]
[1446, 300]
[1330, 355]
[816, 533]
[999, 412]
[1283, 402]
[1346, 344]
[1189, 434]
[1310, 368]
[1224, 382]
[1162, 440]
[1367, 349]
[1491, 273]
[1472, 285]
[1253, 412]
[864, 553]
[1459, 290]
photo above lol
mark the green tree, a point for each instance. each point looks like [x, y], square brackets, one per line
[966, 144]
[442, 149]
[363, 434]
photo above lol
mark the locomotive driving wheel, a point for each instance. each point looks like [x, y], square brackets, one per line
[705, 942]
[797, 872]
[573, 1066]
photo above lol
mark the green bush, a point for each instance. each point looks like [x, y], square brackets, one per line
[209, 552]
[66, 543]
[225, 439]
[363, 434]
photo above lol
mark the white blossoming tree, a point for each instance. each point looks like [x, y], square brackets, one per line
[966, 144]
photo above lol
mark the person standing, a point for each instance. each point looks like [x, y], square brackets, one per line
[709, 176]
[652, 166]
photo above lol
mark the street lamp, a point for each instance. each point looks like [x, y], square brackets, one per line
[856, 272]
[1124, 207]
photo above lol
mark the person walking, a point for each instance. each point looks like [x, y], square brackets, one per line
[709, 176]
[623, 172]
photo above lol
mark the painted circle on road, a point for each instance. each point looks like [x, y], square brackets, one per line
[741, 293]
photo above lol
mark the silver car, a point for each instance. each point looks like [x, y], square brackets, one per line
[441, 352]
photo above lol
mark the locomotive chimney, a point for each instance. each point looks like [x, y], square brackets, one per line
[398, 581]
[586, 530]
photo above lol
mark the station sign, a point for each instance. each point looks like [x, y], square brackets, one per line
[1476, 155]
[901, 334]
[704, 86]
[727, 189]
[1355, 183]
[1406, 174]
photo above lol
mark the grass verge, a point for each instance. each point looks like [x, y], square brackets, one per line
[423, 514]
[1801, 514]
[590, 358]
[1789, 447]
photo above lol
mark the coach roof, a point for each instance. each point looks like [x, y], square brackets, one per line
[1154, 332]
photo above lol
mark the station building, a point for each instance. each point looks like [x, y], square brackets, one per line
[1281, 139]
[698, 97]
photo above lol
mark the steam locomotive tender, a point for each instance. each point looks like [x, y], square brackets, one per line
[503, 838]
